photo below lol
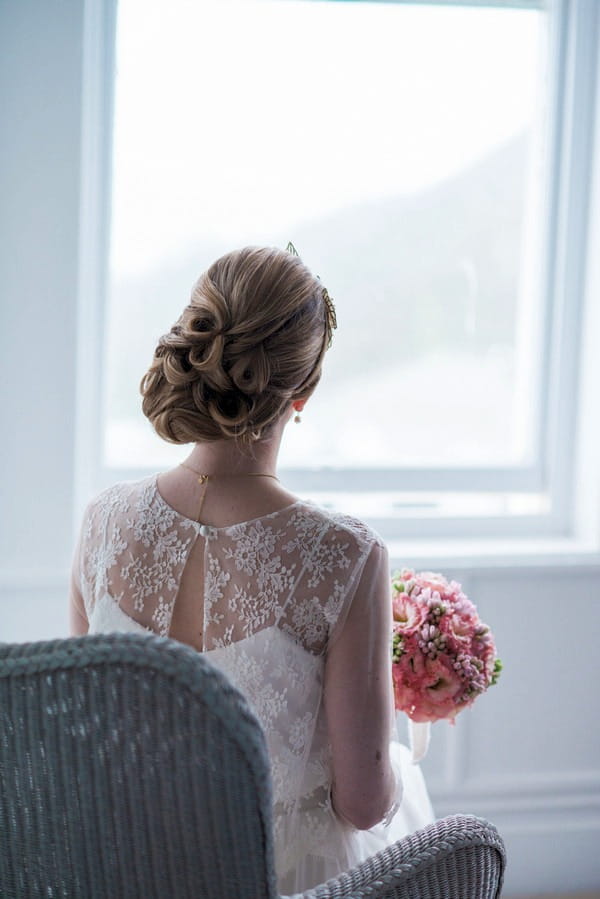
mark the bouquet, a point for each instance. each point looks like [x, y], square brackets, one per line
[443, 656]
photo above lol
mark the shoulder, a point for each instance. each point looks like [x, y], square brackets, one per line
[120, 497]
[337, 525]
[363, 532]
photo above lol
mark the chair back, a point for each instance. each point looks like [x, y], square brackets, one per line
[129, 767]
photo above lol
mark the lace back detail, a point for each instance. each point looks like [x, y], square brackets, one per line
[276, 591]
[291, 571]
[134, 549]
[295, 569]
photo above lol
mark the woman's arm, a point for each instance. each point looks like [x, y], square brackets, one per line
[78, 622]
[77, 618]
[359, 702]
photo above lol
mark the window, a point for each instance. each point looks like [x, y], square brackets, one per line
[414, 153]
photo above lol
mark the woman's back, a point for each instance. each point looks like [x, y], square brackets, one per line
[296, 568]
[274, 594]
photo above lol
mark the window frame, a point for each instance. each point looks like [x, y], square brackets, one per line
[575, 30]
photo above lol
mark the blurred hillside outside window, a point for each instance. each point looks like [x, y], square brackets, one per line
[404, 149]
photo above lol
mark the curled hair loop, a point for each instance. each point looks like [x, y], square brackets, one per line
[251, 371]
[202, 325]
[177, 370]
[208, 359]
[230, 411]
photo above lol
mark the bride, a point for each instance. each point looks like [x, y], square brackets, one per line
[290, 601]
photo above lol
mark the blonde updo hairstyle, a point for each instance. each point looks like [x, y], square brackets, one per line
[251, 341]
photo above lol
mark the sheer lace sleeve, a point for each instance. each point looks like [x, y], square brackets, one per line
[83, 575]
[78, 621]
[358, 699]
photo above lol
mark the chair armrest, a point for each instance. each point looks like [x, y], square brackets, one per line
[458, 857]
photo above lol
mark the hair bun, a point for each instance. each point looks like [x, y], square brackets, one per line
[251, 339]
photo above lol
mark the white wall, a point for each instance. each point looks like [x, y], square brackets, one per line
[40, 86]
[527, 757]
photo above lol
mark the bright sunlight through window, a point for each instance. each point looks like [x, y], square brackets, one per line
[398, 147]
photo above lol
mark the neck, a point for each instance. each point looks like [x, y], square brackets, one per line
[225, 457]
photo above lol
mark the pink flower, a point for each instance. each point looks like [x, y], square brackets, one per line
[459, 626]
[408, 614]
[436, 582]
[431, 692]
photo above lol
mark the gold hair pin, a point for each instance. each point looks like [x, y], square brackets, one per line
[331, 316]
[329, 307]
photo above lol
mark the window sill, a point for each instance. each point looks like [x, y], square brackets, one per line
[496, 554]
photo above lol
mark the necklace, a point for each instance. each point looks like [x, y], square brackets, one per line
[204, 479]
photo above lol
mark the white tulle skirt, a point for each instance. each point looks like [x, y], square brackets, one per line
[341, 846]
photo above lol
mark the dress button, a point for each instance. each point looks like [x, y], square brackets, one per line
[205, 530]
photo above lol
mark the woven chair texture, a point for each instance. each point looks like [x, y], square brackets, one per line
[458, 857]
[130, 768]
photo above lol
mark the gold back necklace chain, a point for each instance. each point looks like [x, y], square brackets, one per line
[203, 480]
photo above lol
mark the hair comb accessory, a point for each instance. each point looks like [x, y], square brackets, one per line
[331, 317]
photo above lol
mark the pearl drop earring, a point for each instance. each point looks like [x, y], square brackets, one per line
[297, 418]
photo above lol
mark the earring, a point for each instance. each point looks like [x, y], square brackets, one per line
[298, 407]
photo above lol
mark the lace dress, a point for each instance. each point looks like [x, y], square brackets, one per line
[277, 591]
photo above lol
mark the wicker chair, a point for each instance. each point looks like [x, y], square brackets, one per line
[130, 767]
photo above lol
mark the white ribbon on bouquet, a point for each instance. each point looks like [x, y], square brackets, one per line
[418, 735]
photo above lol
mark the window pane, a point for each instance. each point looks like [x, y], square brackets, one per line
[398, 147]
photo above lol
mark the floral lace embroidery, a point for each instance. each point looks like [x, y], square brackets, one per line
[319, 556]
[358, 528]
[135, 550]
[214, 580]
[273, 591]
